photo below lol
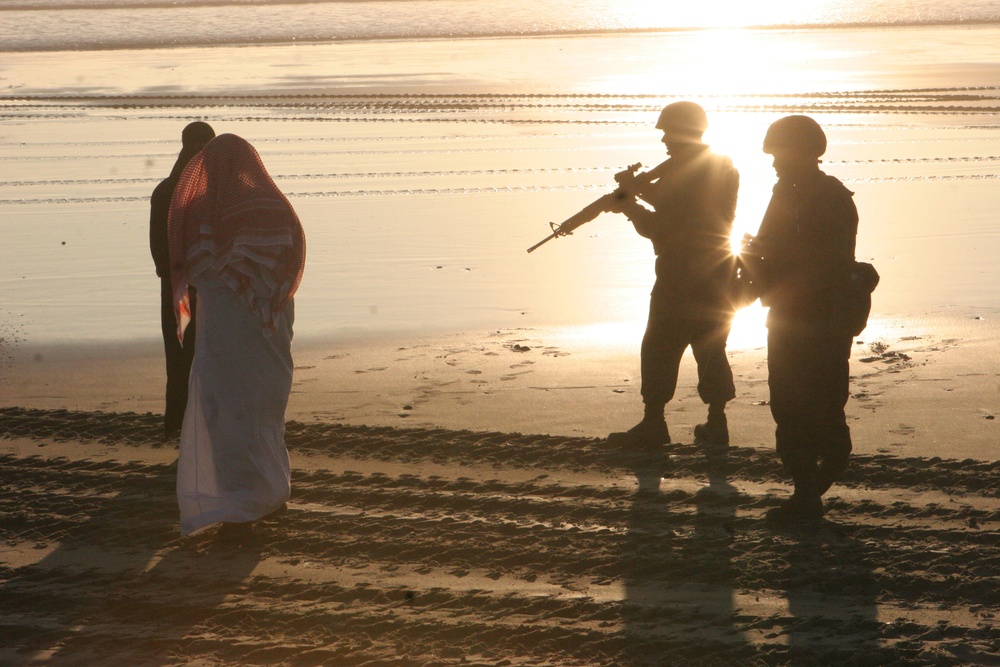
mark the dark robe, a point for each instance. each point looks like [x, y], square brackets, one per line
[178, 357]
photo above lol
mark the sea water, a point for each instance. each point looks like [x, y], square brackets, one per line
[102, 24]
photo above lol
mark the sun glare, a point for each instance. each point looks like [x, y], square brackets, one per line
[749, 332]
[731, 13]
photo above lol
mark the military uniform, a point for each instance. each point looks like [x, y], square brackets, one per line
[804, 249]
[694, 202]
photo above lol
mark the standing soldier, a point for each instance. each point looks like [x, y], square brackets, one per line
[693, 199]
[800, 257]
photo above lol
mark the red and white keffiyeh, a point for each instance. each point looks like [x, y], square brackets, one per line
[227, 215]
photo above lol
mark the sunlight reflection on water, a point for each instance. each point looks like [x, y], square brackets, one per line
[419, 210]
[748, 332]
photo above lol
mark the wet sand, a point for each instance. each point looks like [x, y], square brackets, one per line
[421, 188]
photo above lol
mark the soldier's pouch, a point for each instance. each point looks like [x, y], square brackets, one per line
[856, 296]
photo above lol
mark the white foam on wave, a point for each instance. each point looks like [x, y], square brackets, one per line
[53, 25]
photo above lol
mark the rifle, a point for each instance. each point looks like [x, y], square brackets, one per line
[629, 184]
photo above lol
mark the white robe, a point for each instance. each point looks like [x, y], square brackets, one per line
[233, 464]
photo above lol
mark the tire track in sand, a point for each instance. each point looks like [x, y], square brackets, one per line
[436, 547]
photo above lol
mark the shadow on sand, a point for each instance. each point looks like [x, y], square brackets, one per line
[709, 582]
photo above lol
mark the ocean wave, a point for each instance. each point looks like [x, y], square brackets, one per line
[46, 43]
[49, 5]
[56, 25]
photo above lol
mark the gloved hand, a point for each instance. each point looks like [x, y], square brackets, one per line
[618, 201]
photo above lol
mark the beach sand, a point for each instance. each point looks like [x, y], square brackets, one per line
[454, 501]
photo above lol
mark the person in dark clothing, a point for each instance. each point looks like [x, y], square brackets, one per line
[799, 258]
[193, 139]
[693, 199]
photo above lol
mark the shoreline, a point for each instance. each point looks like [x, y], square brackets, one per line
[168, 46]
[927, 393]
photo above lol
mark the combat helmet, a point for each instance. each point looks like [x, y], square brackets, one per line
[683, 118]
[795, 134]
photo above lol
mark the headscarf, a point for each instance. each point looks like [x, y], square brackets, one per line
[227, 215]
[193, 139]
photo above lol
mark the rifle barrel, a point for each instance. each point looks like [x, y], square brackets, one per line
[543, 241]
[584, 215]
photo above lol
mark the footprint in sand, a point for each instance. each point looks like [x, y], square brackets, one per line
[513, 376]
[903, 429]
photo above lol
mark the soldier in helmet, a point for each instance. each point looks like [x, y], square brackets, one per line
[798, 258]
[692, 196]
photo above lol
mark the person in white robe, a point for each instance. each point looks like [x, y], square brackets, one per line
[236, 239]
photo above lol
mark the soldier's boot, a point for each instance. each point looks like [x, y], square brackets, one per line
[804, 505]
[715, 430]
[830, 468]
[652, 431]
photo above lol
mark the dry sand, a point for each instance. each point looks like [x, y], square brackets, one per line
[929, 390]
